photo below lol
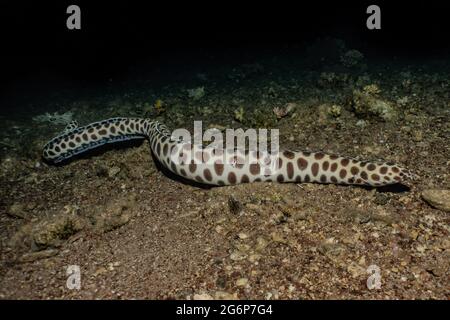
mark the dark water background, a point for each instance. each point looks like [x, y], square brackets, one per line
[132, 45]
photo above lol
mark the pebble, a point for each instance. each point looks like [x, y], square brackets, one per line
[261, 244]
[222, 295]
[235, 205]
[33, 256]
[360, 216]
[333, 249]
[421, 248]
[242, 236]
[100, 271]
[361, 123]
[417, 135]
[253, 258]
[299, 216]
[219, 229]
[112, 172]
[238, 256]
[17, 210]
[242, 282]
[276, 237]
[202, 296]
[356, 270]
[381, 198]
[437, 198]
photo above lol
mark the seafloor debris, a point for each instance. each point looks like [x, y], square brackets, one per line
[438, 198]
[55, 118]
[367, 103]
[159, 106]
[33, 256]
[48, 232]
[335, 111]
[372, 89]
[234, 205]
[239, 114]
[282, 112]
[54, 231]
[16, 210]
[115, 214]
[327, 112]
[196, 93]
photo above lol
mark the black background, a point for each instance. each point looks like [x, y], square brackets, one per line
[113, 35]
[299, 309]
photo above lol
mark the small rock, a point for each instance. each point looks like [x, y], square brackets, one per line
[381, 198]
[417, 135]
[31, 206]
[234, 205]
[335, 111]
[242, 236]
[238, 256]
[101, 170]
[100, 271]
[222, 295]
[361, 123]
[356, 270]
[196, 93]
[17, 210]
[217, 126]
[114, 215]
[362, 261]
[202, 296]
[436, 269]
[421, 248]
[360, 216]
[369, 105]
[414, 234]
[276, 237]
[242, 282]
[242, 247]
[384, 219]
[52, 232]
[112, 172]
[330, 247]
[113, 265]
[437, 198]
[261, 244]
[253, 207]
[33, 256]
[254, 257]
[299, 216]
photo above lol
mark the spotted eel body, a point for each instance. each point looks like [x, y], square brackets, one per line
[216, 166]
